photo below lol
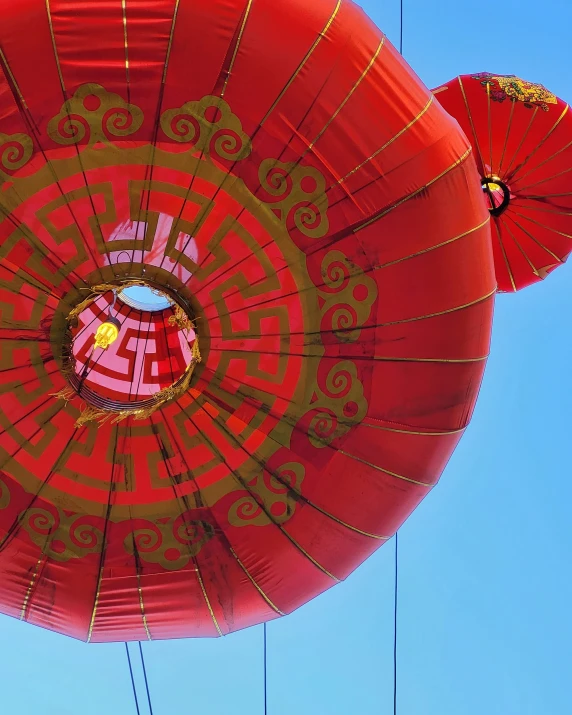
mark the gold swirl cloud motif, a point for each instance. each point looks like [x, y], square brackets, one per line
[15, 152]
[62, 537]
[94, 115]
[208, 126]
[338, 406]
[348, 296]
[278, 494]
[298, 196]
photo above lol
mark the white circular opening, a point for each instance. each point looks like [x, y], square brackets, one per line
[145, 298]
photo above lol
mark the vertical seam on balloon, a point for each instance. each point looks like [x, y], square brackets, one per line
[67, 107]
[537, 147]
[413, 432]
[511, 234]
[483, 168]
[298, 493]
[321, 36]
[104, 537]
[31, 586]
[55, 49]
[538, 166]
[508, 128]
[413, 194]
[386, 471]
[490, 126]
[12, 78]
[346, 99]
[16, 525]
[522, 140]
[151, 164]
[433, 248]
[36, 135]
[383, 358]
[207, 600]
[317, 41]
[244, 486]
[388, 143]
[95, 604]
[187, 507]
[236, 48]
[231, 550]
[142, 605]
[125, 41]
[542, 209]
[170, 43]
[253, 582]
[504, 255]
[441, 312]
[539, 243]
[519, 192]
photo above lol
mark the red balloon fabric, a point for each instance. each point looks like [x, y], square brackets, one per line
[312, 222]
[521, 134]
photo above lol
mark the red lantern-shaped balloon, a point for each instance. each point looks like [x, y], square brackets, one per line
[522, 139]
[311, 222]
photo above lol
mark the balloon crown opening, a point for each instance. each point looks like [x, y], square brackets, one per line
[497, 194]
[162, 311]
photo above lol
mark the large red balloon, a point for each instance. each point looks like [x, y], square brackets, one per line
[278, 173]
[521, 134]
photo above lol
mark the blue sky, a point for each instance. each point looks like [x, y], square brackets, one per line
[485, 586]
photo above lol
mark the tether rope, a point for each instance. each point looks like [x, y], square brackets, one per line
[145, 677]
[132, 680]
[395, 635]
[265, 676]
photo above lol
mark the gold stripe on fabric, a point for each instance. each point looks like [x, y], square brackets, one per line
[521, 249]
[521, 143]
[344, 523]
[472, 124]
[531, 236]
[253, 582]
[207, 600]
[490, 125]
[442, 312]
[303, 551]
[437, 360]
[12, 78]
[414, 432]
[541, 143]
[543, 209]
[540, 197]
[508, 128]
[124, 11]
[434, 248]
[170, 44]
[55, 48]
[538, 166]
[507, 264]
[31, 587]
[521, 190]
[388, 143]
[237, 46]
[412, 195]
[386, 471]
[142, 605]
[347, 97]
[317, 41]
[95, 605]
